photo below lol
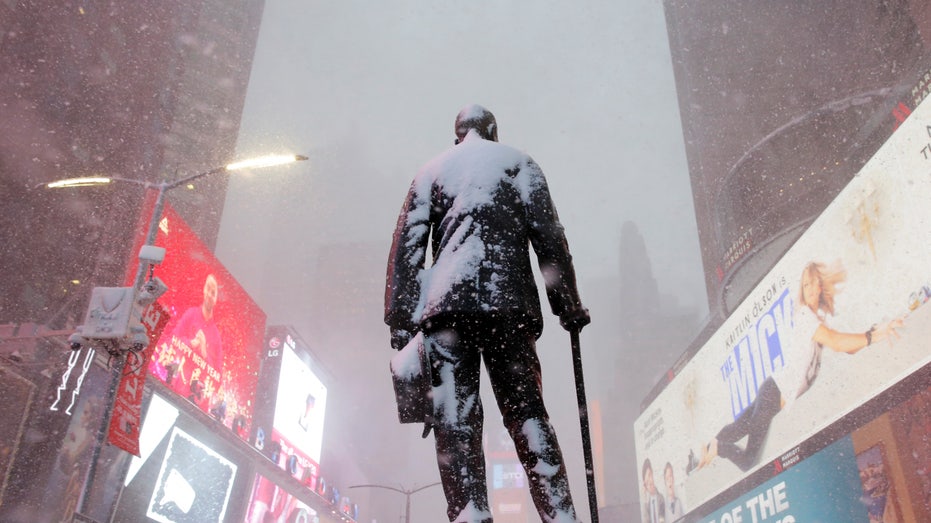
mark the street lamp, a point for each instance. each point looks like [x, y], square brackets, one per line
[407, 493]
[164, 186]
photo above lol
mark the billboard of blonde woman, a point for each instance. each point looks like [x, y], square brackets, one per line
[839, 319]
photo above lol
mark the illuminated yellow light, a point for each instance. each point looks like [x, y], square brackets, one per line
[75, 282]
[79, 182]
[190, 186]
[265, 161]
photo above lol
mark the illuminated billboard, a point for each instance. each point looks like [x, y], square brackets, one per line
[292, 407]
[877, 472]
[508, 476]
[209, 350]
[185, 472]
[839, 319]
[179, 476]
[269, 502]
[193, 485]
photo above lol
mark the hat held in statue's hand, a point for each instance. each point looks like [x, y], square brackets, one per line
[410, 374]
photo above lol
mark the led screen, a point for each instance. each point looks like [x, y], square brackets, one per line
[300, 407]
[209, 350]
[508, 476]
[269, 502]
[193, 485]
[289, 428]
[185, 472]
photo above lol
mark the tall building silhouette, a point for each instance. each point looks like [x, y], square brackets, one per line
[145, 90]
[654, 331]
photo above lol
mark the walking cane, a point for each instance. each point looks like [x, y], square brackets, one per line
[583, 417]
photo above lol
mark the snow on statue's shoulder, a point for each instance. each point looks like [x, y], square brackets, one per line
[472, 171]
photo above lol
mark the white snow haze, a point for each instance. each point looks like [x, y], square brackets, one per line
[369, 91]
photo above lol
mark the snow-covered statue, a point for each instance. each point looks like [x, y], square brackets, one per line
[479, 207]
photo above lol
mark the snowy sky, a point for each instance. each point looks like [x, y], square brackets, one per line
[588, 92]
[369, 91]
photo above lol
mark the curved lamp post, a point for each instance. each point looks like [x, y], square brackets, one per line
[164, 186]
[407, 493]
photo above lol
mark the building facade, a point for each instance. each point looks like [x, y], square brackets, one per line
[144, 91]
[780, 107]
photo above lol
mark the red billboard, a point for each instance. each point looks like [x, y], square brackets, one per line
[209, 350]
[269, 502]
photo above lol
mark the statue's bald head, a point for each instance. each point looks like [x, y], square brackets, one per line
[478, 118]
